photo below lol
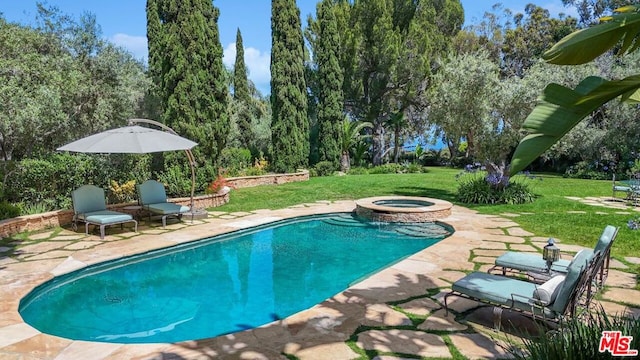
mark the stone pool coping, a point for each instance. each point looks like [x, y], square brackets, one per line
[369, 209]
[374, 314]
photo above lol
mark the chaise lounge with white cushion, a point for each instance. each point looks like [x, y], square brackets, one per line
[554, 300]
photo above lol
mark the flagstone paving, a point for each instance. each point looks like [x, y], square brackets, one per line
[396, 313]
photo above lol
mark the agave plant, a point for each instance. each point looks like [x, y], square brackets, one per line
[560, 108]
[580, 339]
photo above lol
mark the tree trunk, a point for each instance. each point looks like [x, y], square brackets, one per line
[345, 162]
[378, 144]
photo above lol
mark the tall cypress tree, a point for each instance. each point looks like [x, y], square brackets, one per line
[241, 93]
[290, 127]
[191, 74]
[330, 99]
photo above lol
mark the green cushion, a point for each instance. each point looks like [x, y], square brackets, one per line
[529, 262]
[151, 192]
[498, 290]
[105, 217]
[578, 264]
[608, 235]
[166, 208]
[88, 198]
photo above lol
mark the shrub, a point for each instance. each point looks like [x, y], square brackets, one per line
[478, 187]
[579, 338]
[411, 168]
[217, 185]
[122, 193]
[8, 211]
[177, 181]
[234, 160]
[324, 168]
[37, 208]
[390, 168]
[358, 171]
[591, 170]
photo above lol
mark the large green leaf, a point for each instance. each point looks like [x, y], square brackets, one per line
[560, 108]
[587, 44]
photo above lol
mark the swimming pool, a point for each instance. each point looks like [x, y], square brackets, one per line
[223, 284]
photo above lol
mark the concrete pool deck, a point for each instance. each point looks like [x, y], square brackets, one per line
[397, 311]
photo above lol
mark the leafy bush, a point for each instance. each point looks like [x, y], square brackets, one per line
[324, 168]
[53, 178]
[37, 208]
[390, 168]
[234, 160]
[591, 170]
[478, 187]
[216, 185]
[8, 211]
[177, 181]
[579, 339]
[411, 168]
[122, 193]
[358, 171]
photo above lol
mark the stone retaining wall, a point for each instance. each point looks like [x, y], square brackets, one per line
[271, 179]
[35, 222]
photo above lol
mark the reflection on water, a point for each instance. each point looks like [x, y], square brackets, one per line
[220, 286]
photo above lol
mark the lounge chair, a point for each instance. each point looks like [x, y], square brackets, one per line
[153, 198]
[536, 267]
[554, 300]
[616, 188]
[89, 206]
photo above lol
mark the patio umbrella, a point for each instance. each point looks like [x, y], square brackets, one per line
[134, 139]
[129, 140]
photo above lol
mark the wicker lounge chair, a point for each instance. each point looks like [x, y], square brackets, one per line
[554, 300]
[153, 198]
[89, 206]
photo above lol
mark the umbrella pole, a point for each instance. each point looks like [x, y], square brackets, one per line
[190, 156]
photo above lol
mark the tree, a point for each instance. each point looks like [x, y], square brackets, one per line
[389, 49]
[561, 108]
[590, 11]
[460, 78]
[532, 34]
[290, 127]
[241, 94]
[186, 49]
[330, 98]
[59, 81]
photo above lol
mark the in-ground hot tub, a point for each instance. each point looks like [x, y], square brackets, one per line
[408, 209]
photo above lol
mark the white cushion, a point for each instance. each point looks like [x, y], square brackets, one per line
[548, 291]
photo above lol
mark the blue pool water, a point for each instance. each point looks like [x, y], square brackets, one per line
[223, 284]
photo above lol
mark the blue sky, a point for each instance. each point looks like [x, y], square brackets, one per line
[124, 23]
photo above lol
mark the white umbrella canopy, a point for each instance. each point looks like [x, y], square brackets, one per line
[134, 139]
[129, 140]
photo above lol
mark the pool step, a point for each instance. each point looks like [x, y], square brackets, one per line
[345, 220]
[428, 230]
[421, 230]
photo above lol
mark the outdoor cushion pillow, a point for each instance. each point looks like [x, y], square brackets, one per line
[548, 291]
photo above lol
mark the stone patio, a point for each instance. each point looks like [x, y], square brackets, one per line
[394, 314]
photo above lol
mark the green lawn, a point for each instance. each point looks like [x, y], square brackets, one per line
[547, 216]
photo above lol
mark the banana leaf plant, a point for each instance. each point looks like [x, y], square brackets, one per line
[560, 108]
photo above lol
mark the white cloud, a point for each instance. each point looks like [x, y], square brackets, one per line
[257, 62]
[137, 45]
